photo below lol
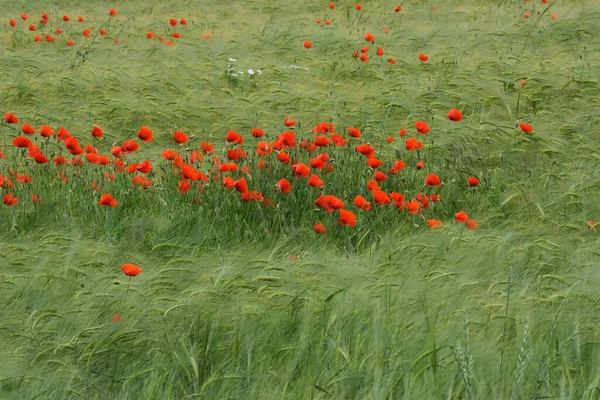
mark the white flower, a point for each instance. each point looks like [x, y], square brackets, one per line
[250, 72]
[241, 72]
[232, 60]
[259, 72]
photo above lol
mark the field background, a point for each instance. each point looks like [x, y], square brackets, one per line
[235, 305]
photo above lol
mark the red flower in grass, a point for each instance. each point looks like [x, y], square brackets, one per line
[11, 118]
[107, 200]
[455, 115]
[320, 228]
[131, 269]
[347, 218]
[10, 200]
[433, 223]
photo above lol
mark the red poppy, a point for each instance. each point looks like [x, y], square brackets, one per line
[173, 22]
[176, 35]
[391, 61]
[358, 7]
[131, 269]
[423, 57]
[353, 132]
[365, 150]
[144, 167]
[331, 5]
[315, 181]
[234, 137]
[433, 223]
[402, 132]
[22, 142]
[320, 228]
[380, 51]
[412, 144]
[80, 18]
[58, 31]
[307, 44]
[112, 12]
[526, 128]
[398, 166]
[461, 216]
[284, 185]
[289, 122]
[422, 127]
[97, 132]
[329, 203]
[473, 181]
[369, 37]
[374, 162]
[301, 170]
[12, 23]
[380, 197]
[364, 57]
[86, 33]
[11, 118]
[10, 200]
[35, 199]
[65, 18]
[27, 129]
[397, 8]
[183, 21]
[130, 146]
[241, 185]
[70, 43]
[433, 180]
[362, 203]
[184, 186]
[420, 165]
[228, 182]
[347, 218]
[46, 131]
[40, 158]
[322, 141]
[527, 14]
[149, 35]
[102, 32]
[455, 115]
[180, 137]
[471, 224]
[373, 185]
[283, 157]
[228, 167]
[107, 200]
[24, 17]
[380, 176]
[257, 132]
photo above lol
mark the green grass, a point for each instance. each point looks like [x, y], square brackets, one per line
[240, 301]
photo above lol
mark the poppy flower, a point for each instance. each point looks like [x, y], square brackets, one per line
[362, 203]
[347, 218]
[422, 127]
[591, 224]
[364, 58]
[397, 8]
[131, 269]
[35, 199]
[374, 162]
[307, 44]
[380, 197]
[420, 165]
[150, 35]
[338, 140]
[180, 137]
[263, 149]
[398, 166]
[461, 216]
[97, 132]
[390, 139]
[24, 17]
[391, 61]
[70, 43]
[413, 144]
[402, 132]
[80, 18]
[184, 186]
[241, 185]
[40, 158]
[58, 31]
[117, 318]
[65, 18]
[455, 115]
[353, 132]
[173, 22]
[206, 36]
[369, 37]
[86, 33]
[12, 23]
[10, 200]
[22, 142]
[526, 128]
[471, 224]
[176, 35]
[527, 14]
[284, 185]
[329, 203]
[11, 118]
[320, 228]
[112, 12]
[328, 22]
[365, 150]
[358, 7]
[107, 200]
[423, 57]
[315, 181]
[130, 146]
[27, 129]
[331, 5]
[398, 199]
[554, 16]
[433, 223]
[46, 131]
[432, 180]
[473, 181]
[289, 122]
[322, 141]
[301, 170]
[257, 132]
[380, 176]
[283, 157]
[228, 167]
[234, 137]
[183, 21]
[145, 134]
[413, 206]
[102, 32]
[380, 51]
[319, 21]
[144, 167]
[228, 182]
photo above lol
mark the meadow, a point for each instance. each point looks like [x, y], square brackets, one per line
[377, 200]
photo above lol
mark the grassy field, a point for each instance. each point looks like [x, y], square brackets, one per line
[243, 299]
